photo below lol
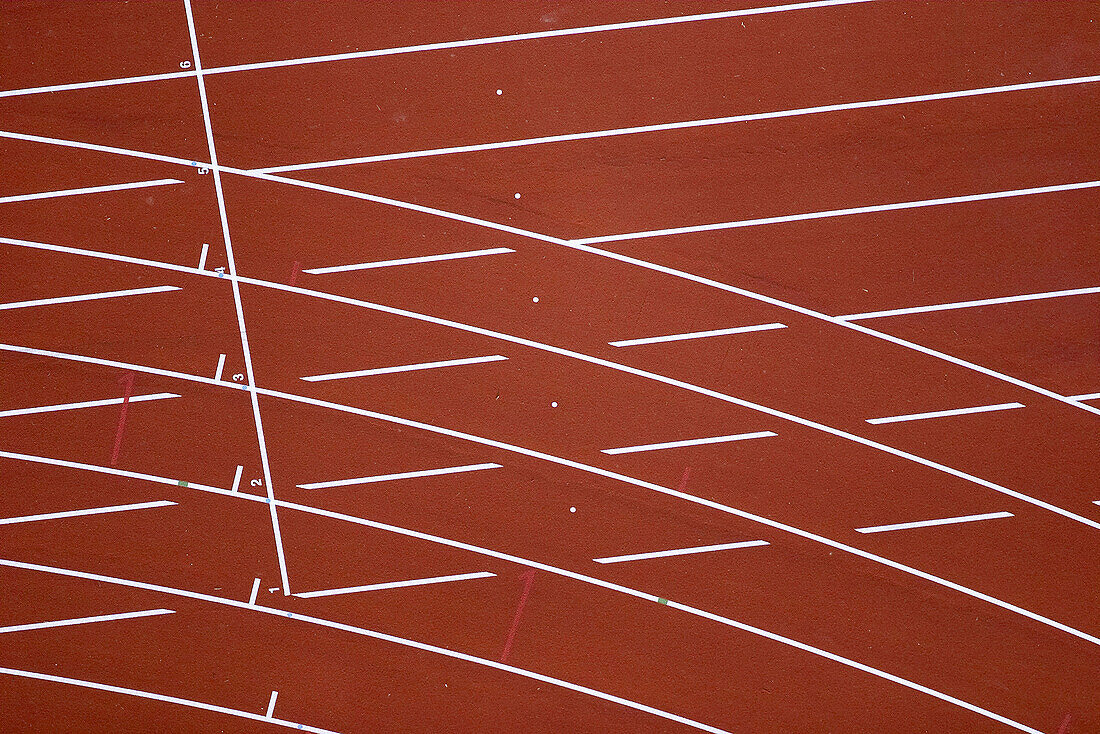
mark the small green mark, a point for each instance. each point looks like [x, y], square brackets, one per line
[182, 483]
[662, 601]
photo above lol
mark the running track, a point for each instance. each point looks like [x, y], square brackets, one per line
[720, 366]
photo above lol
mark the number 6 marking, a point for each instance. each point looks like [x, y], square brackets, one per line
[185, 64]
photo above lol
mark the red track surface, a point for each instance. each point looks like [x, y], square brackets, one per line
[983, 626]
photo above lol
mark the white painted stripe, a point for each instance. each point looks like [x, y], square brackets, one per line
[255, 591]
[271, 704]
[87, 404]
[80, 513]
[231, 263]
[158, 697]
[689, 442]
[397, 584]
[839, 212]
[89, 190]
[410, 261]
[91, 85]
[88, 297]
[237, 478]
[686, 124]
[1086, 396]
[943, 413]
[406, 368]
[930, 523]
[968, 304]
[682, 551]
[221, 366]
[402, 475]
[532, 36]
[696, 335]
[85, 620]
[202, 256]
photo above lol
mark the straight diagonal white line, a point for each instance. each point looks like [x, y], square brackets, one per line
[402, 475]
[829, 213]
[688, 442]
[216, 171]
[87, 404]
[406, 368]
[99, 83]
[969, 304]
[396, 584]
[945, 413]
[533, 36]
[89, 190]
[684, 124]
[88, 297]
[682, 551]
[930, 523]
[410, 260]
[221, 366]
[271, 704]
[696, 335]
[85, 620]
[255, 591]
[1086, 396]
[203, 254]
[81, 513]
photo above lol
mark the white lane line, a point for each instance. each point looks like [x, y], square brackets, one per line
[89, 190]
[406, 642]
[688, 442]
[532, 36]
[410, 260]
[943, 413]
[224, 217]
[271, 705]
[707, 122]
[159, 697]
[202, 256]
[402, 475]
[682, 551]
[839, 212]
[523, 233]
[696, 335]
[80, 513]
[221, 366]
[397, 584]
[99, 83]
[237, 478]
[968, 304]
[255, 591]
[726, 621]
[1086, 396]
[88, 297]
[406, 368]
[87, 404]
[489, 553]
[930, 523]
[85, 620]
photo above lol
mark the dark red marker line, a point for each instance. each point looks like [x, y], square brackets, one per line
[1065, 724]
[684, 479]
[294, 272]
[127, 382]
[528, 579]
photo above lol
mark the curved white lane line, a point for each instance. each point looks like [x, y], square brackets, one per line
[160, 697]
[389, 638]
[592, 360]
[538, 676]
[585, 468]
[581, 247]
